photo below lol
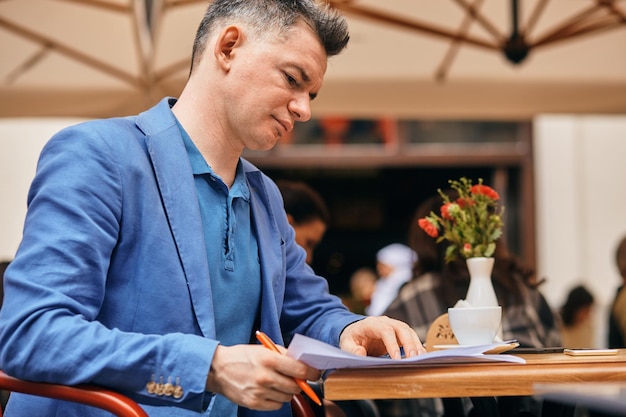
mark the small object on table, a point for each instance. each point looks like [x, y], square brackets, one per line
[440, 333]
[590, 352]
[549, 349]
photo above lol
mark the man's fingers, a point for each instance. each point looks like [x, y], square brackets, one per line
[410, 342]
[379, 335]
[256, 377]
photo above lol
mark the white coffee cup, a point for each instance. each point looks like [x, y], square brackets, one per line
[475, 325]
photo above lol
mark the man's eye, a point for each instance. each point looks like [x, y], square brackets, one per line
[291, 80]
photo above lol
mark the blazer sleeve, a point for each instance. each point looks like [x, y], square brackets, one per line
[52, 327]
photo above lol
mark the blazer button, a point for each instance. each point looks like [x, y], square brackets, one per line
[151, 387]
[178, 392]
[168, 389]
[160, 387]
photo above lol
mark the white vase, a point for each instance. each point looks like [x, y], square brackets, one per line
[480, 292]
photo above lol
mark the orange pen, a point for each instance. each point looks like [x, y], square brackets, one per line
[267, 342]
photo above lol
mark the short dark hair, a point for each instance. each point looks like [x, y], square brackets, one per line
[277, 16]
[3, 267]
[302, 202]
[579, 297]
[620, 257]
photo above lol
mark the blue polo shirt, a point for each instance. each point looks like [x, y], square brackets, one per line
[232, 252]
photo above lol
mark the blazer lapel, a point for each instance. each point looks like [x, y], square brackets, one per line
[271, 246]
[175, 181]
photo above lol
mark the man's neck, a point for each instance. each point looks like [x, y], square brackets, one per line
[216, 150]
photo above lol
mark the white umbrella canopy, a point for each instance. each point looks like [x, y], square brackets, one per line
[94, 58]
[434, 58]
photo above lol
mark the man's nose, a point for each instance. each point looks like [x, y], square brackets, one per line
[300, 107]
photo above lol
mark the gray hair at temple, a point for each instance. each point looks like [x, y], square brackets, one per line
[274, 17]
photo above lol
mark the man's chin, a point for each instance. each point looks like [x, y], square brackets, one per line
[264, 147]
[267, 144]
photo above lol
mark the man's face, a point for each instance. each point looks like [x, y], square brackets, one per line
[383, 269]
[271, 84]
[308, 235]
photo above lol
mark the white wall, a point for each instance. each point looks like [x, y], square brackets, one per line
[581, 206]
[21, 141]
[580, 194]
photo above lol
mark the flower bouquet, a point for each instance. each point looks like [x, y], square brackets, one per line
[471, 223]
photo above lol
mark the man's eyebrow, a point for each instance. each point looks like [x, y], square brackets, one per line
[303, 74]
[305, 77]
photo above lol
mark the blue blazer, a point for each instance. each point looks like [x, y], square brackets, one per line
[110, 284]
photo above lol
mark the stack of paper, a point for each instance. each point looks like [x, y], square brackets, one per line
[323, 356]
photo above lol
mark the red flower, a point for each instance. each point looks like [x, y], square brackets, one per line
[485, 190]
[471, 223]
[465, 202]
[445, 211]
[430, 229]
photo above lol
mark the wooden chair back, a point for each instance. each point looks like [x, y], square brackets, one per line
[105, 399]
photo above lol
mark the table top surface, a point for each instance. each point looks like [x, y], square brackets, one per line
[473, 379]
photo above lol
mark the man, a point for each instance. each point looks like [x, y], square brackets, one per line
[307, 214]
[152, 251]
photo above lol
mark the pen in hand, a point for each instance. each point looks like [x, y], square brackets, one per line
[267, 342]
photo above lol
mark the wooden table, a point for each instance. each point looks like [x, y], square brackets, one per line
[473, 380]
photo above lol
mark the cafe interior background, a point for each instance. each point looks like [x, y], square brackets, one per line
[407, 106]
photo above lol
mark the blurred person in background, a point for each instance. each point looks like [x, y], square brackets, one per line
[577, 319]
[362, 284]
[617, 317]
[4, 395]
[394, 264]
[3, 266]
[306, 212]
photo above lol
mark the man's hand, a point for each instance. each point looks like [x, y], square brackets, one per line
[255, 377]
[380, 335]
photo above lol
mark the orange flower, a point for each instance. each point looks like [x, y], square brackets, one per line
[471, 223]
[430, 229]
[464, 202]
[486, 191]
[445, 211]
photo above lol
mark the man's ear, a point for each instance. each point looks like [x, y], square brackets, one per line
[229, 39]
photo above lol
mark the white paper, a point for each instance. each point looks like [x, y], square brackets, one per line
[323, 356]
